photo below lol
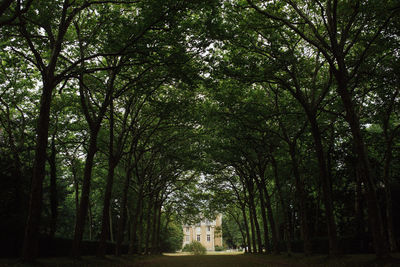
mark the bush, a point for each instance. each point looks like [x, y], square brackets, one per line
[219, 248]
[187, 248]
[195, 248]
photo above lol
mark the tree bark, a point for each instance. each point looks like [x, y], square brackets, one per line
[138, 213]
[388, 194]
[112, 164]
[123, 213]
[326, 184]
[154, 224]
[246, 227]
[253, 231]
[158, 245]
[148, 223]
[30, 247]
[374, 212]
[275, 239]
[301, 196]
[287, 231]
[83, 207]
[389, 205]
[264, 217]
[53, 188]
[254, 215]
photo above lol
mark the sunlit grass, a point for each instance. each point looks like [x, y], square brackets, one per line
[207, 253]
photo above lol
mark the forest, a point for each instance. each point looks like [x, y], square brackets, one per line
[120, 120]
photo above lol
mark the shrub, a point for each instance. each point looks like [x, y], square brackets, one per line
[219, 248]
[187, 248]
[198, 248]
[195, 248]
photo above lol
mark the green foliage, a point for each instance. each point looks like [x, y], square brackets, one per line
[219, 248]
[171, 239]
[196, 248]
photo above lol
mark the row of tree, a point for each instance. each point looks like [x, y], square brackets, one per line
[306, 120]
[96, 104]
[111, 110]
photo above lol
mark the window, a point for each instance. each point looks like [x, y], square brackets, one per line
[187, 229]
[198, 230]
[208, 228]
[198, 238]
[208, 238]
[187, 238]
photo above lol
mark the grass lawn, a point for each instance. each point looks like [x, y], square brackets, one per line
[216, 259]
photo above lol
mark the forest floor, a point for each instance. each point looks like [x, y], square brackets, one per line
[214, 260]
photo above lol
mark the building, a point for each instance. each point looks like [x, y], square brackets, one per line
[208, 233]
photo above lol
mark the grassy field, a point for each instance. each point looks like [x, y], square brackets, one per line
[214, 260]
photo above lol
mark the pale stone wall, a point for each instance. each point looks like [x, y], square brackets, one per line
[205, 231]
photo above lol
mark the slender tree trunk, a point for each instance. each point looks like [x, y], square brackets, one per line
[133, 247]
[275, 239]
[253, 232]
[284, 208]
[326, 184]
[111, 225]
[148, 224]
[264, 217]
[76, 187]
[253, 215]
[31, 239]
[257, 225]
[53, 188]
[301, 196]
[154, 225]
[112, 164]
[246, 226]
[388, 197]
[374, 213]
[90, 221]
[123, 213]
[158, 250]
[359, 209]
[140, 230]
[83, 207]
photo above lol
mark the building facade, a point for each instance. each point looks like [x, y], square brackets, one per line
[208, 233]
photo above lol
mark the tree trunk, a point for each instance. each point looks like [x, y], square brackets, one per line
[284, 208]
[359, 209]
[76, 185]
[31, 239]
[53, 188]
[154, 225]
[254, 215]
[123, 213]
[301, 196]
[111, 225]
[388, 196]
[90, 221]
[148, 224]
[253, 232]
[264, 217]
[374, 213]
[158, 245]
[246, 226]
[140, 230]
[138, 213]
[83, 207]
[112, 164]
[326, 184]
[275, 239]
